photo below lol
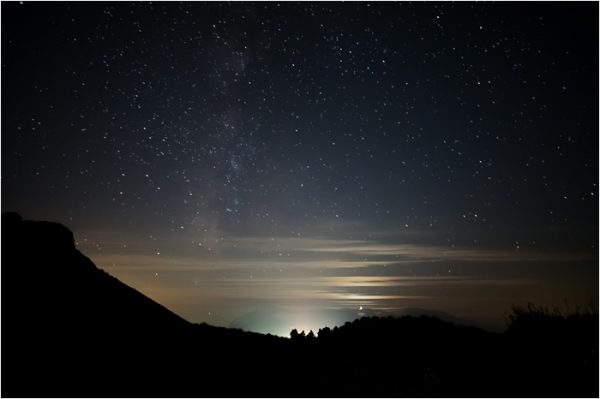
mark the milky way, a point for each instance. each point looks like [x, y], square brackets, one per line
[210, 154]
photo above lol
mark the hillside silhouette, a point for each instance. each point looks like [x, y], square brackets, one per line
[70, 329]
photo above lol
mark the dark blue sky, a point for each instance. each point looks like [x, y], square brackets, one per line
[323, 160]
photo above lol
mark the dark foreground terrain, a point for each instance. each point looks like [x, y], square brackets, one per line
[71, 330]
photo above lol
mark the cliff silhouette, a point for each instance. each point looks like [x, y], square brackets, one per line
[70, 329]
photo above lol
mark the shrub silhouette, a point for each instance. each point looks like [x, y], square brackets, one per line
[554, 344]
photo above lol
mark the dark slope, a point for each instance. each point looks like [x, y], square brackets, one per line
[541, 355]
[68, 325]
[70, 329]
[42, 258]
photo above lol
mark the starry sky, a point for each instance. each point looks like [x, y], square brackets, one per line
[294, 165]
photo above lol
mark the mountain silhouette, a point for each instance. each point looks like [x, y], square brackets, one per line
[70, 329]
[41, 257]
[68, 323]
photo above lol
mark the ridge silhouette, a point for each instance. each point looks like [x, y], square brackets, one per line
[70, 329]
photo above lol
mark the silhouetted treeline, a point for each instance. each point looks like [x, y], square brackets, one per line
[70, 329]
[541, 354]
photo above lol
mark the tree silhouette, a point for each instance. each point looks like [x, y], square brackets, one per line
[324, 333]
[294, 335]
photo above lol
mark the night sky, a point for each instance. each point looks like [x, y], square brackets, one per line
[294, 165]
